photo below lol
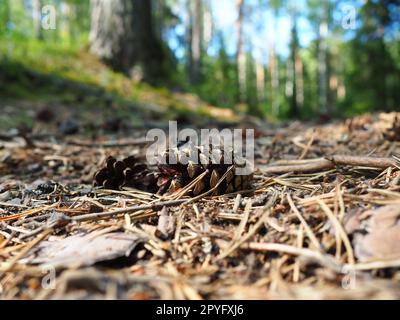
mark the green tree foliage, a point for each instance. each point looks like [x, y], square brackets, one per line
[373, 73]
[361, 68]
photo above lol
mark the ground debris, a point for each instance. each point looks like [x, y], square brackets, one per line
[331, 231]
[82, 249]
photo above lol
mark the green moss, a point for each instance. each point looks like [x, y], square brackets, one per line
[49, 73]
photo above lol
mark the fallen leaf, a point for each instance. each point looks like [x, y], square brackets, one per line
[383, 235]
[83, 249]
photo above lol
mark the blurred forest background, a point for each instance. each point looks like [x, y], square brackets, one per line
[274, 59]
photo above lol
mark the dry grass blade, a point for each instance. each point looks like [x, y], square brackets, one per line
[27, 213]
[243, 222]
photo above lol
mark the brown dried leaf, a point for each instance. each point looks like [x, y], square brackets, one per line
[383, 237]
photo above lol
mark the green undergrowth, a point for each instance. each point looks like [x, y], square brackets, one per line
[47, 73]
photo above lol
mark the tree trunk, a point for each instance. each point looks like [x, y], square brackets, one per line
[299, 81]
[196, 40]
[69, 19]
[322, 61]
[208, 23]
[274, 70]
[159, 9]
[260, 78]
[240, 56]
[122, 35]
[292, 81]
[37, 18]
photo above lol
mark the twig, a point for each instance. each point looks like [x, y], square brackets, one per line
[380, 264]
[27, 212]
[40, 229]
[323, 259]
[329, 163]
[153, 206]
[108, 144]
[5, 204]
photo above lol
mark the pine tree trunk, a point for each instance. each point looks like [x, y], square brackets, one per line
[274, 71]
[260, 78]
[292, 91]
[37, 18]
[208, 23]
[196, 41]
[322, 62]
[240, 56]
[299, 81]
[122, 35]
[159, 9]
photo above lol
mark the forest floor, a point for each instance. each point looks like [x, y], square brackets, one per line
[321, 221]
[316, 225]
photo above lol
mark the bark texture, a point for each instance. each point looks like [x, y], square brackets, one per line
[122, 35]
[196, 37]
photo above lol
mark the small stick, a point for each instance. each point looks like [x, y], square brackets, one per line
[108, 144]
[372, 265]
[329, 163]
[153, 206]
[5, 204]
[323, 259]
[27, 212]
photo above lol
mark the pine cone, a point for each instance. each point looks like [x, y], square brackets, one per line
[179, 174]
[128, 172]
